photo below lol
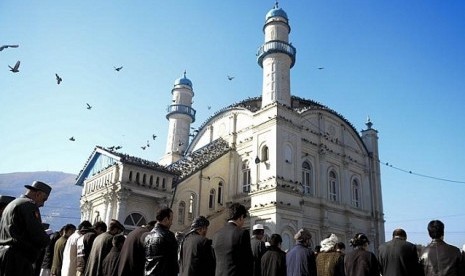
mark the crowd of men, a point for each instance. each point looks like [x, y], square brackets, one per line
[26, 248]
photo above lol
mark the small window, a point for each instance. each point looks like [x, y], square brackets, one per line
[137, 178]
[151, 181]
[130, 176]
[181, 212]
[144, 179]
[265, 154]
[135, 219]
[307, 178]
[211, 199]
[355, 193]
[246, 179]
[333, 187]
[220, 193]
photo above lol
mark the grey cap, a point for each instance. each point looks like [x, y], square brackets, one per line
[39, 186]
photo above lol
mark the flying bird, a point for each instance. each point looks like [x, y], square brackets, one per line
[143, 147]
[89, 106]
[230, 77]
[154, 136]
[118, 68]
[148, 145]
[59, 80]
[209, 107]
[321, 68]
[8, 46]
[15, 68]
[118, 147]
[72, 139]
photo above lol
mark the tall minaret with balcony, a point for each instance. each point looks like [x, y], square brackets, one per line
[276, 56]
[180, 116]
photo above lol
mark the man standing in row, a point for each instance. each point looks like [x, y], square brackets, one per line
[161, 247]
[399, 257]
[440, 258]
[232, 245]
[258, 247]
[22, 236]
[195, 251]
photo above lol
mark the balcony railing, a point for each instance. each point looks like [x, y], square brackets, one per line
[276, 46]
[181, 109]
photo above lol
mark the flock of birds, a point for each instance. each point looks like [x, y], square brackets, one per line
[59, 80]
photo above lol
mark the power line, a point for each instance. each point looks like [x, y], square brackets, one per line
[419, 174]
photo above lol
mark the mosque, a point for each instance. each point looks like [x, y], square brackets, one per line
[292, 161]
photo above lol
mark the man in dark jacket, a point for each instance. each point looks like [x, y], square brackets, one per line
[84, 245]
[4, 200]
[48, 255]
[132, 256]
[232, 245]
[398, 257]
[161, 247]
[300, 260]
[111, 261]
[440, 258]
[273, 262]
[195, 251]
[22, 236]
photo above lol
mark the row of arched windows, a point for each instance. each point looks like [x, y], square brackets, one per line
[144, 181]
[308, 185]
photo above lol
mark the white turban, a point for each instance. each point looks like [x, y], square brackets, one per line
[329, 243]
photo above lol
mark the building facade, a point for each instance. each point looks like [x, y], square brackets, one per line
[292, 161]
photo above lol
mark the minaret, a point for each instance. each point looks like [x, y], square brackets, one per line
[180, 116]
[276, 56]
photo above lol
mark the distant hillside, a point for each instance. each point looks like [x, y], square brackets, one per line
[62, 206]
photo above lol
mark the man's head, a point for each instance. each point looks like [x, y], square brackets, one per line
[100, 227]
[359, 240]
[115, 227]
[237, 214]
[276, 240]
[118, 241]
[38, 192]
[200, 224]
[150, 225]
[340, 247]
[258, 231]
[165, 217]
[399, 234]
[303, 236]
[436, 229]
[69, 230]
[84, 226]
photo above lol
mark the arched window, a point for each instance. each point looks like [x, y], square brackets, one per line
[264, 154]
[130, 176]
[157, 182]
[144, 177]
[192, 206]
[220, 193]
[163, 183]
[135, 219]
[181, 212]
[211, 199]
[355, 193]
[246, 179]
[307, 178]
[137, 178]
[332, 186]
[151, 180]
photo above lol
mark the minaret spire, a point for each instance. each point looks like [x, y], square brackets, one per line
[180, 116]
[276, 56]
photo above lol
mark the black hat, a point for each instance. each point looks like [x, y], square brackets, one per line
[39, 186]
[6, 199]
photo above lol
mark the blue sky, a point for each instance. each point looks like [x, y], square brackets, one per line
[400, 62]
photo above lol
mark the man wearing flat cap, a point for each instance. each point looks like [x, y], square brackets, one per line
[258, 247]
[22, 236]
[195, 251]
[300, 260]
